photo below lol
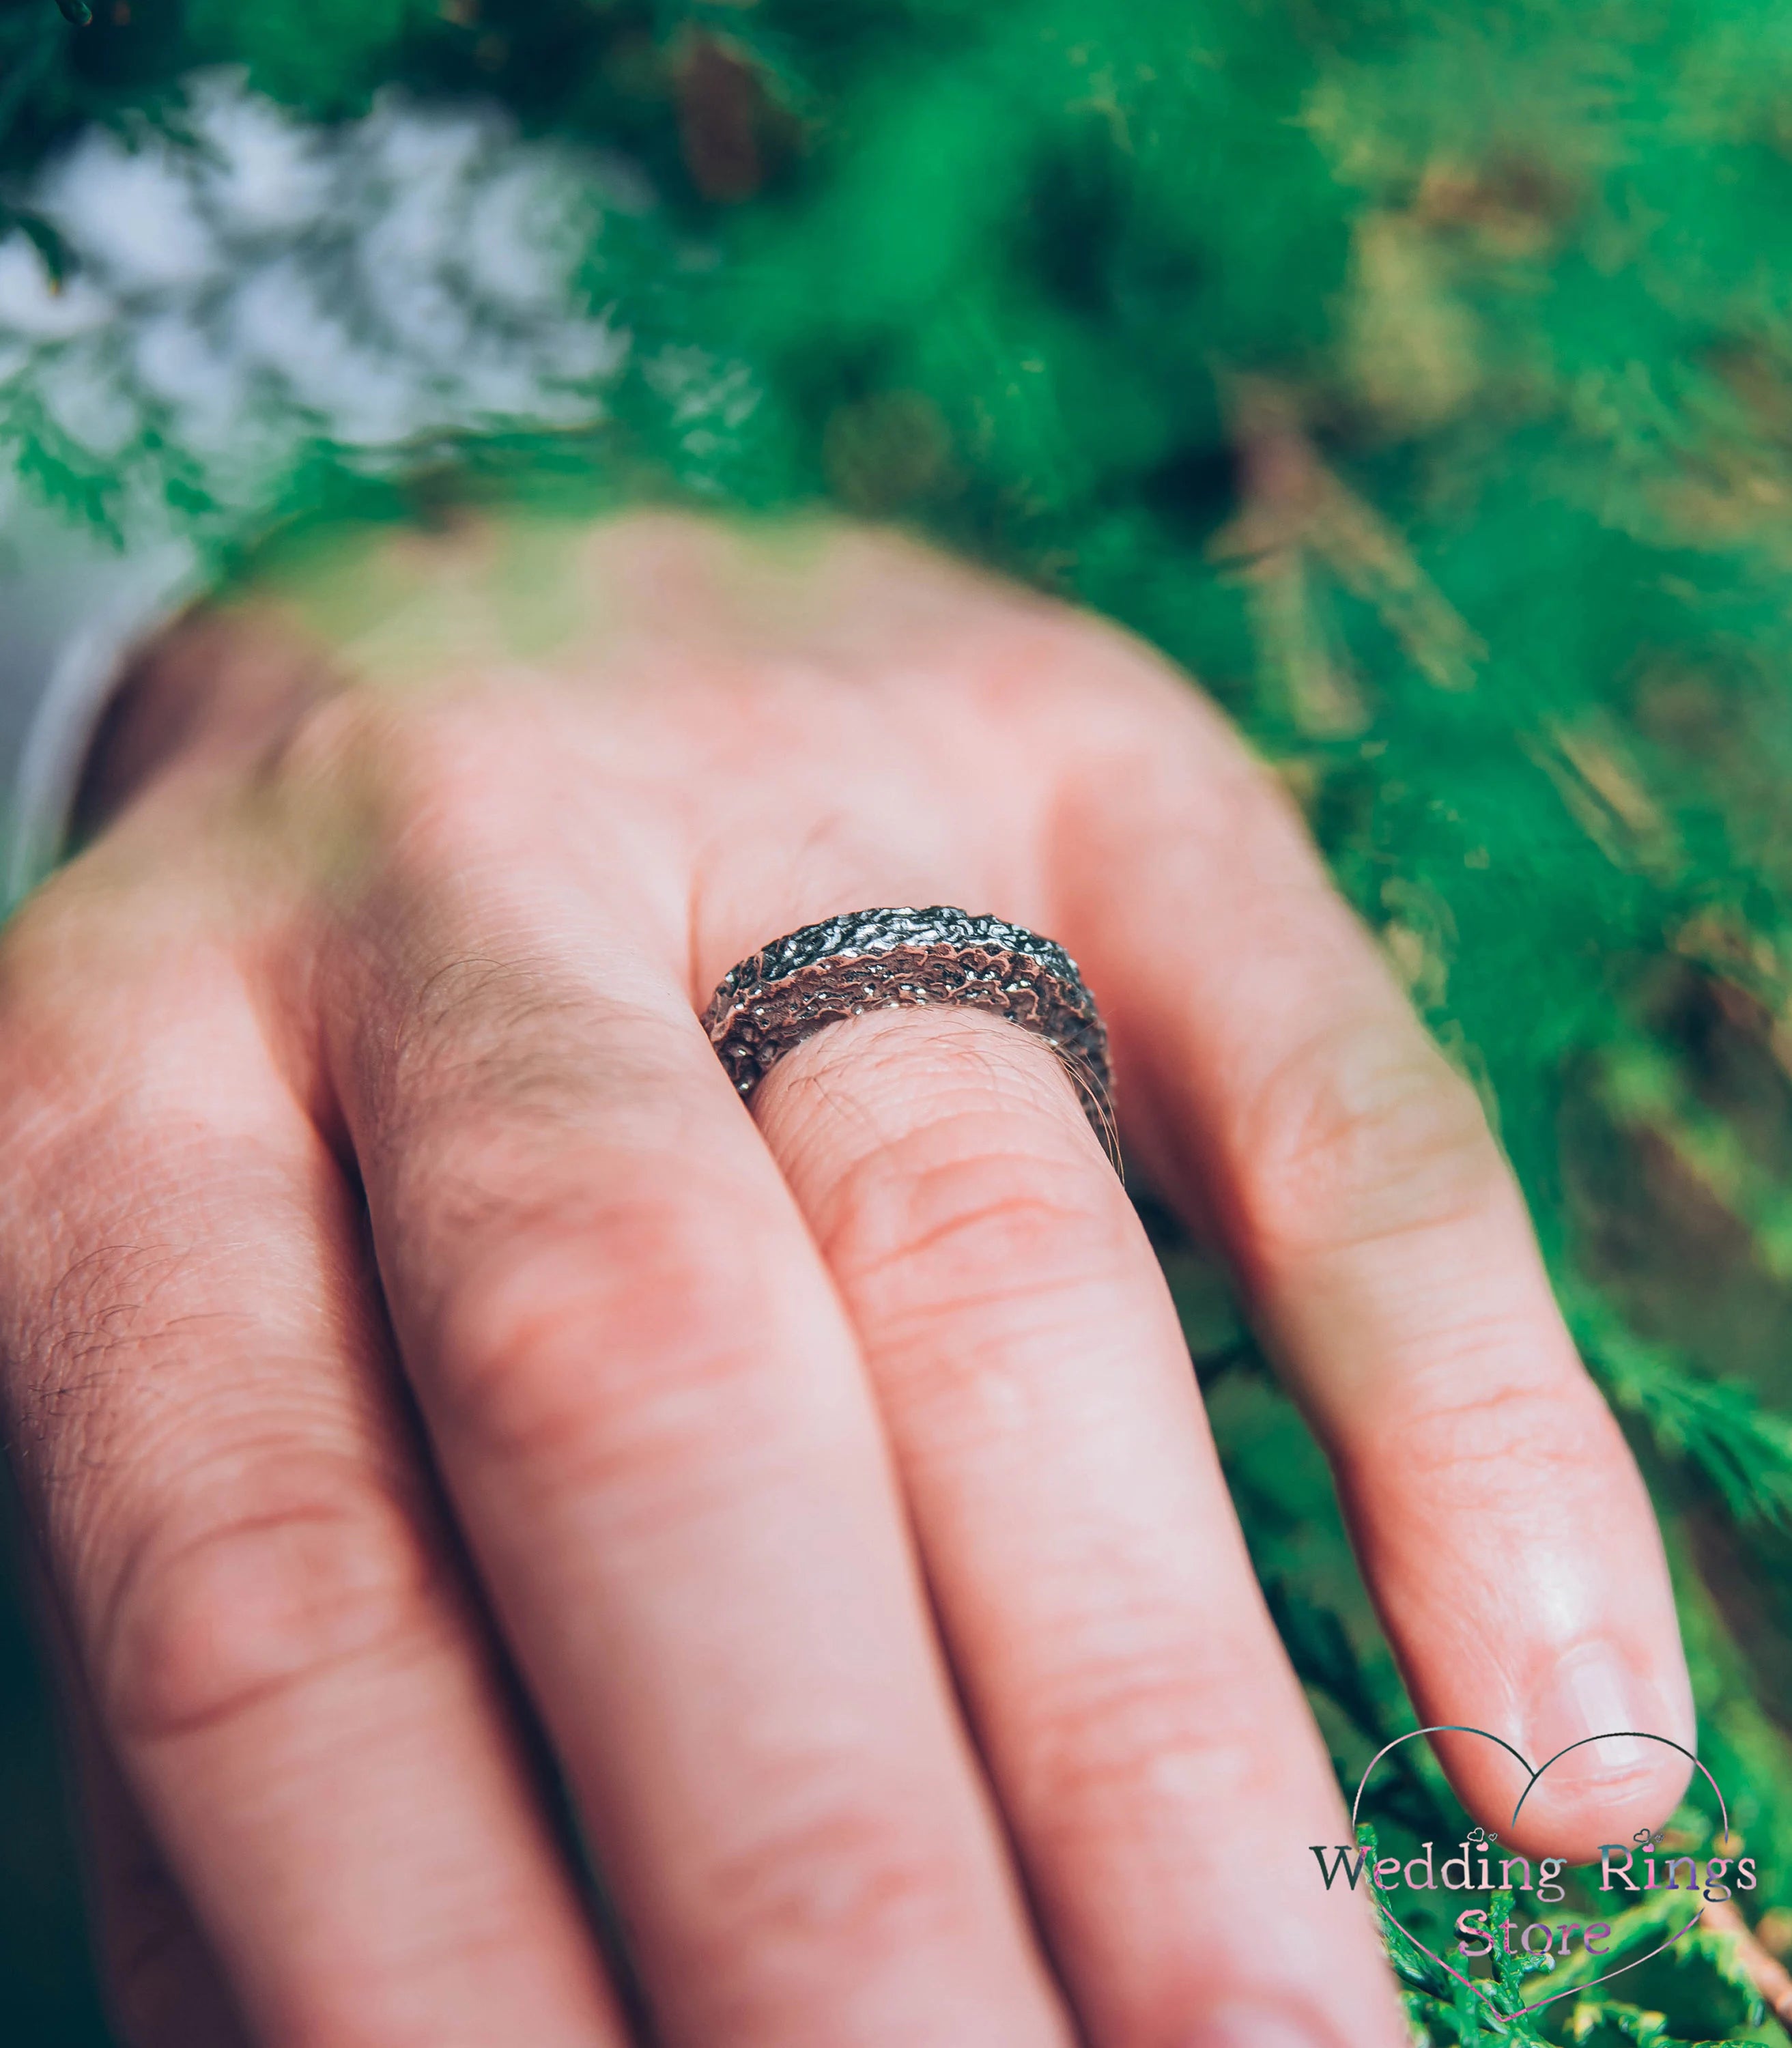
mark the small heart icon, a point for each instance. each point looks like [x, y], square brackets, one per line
[1533, 1772]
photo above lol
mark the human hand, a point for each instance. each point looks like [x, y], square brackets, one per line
[834, 1475]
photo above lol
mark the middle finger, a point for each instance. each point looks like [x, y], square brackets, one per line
[653, 1419]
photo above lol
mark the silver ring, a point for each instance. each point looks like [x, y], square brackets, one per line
[901, 959]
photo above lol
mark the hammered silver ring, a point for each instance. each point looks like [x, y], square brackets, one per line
[902, 958]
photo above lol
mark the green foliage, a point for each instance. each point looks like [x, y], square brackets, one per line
[325, 54]
[1418, 373]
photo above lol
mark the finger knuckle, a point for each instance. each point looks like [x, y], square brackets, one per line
[392, 787]
[224, 1608]
[1365, 1133]
[1479, 1430]
[608, 1347]
[421, 766]
[940, 1225]
[1122, 1739]
[839, 1884]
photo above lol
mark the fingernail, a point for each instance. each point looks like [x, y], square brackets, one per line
[1593, 1692]
[1252, 2027]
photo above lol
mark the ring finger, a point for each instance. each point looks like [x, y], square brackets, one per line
[1146, 1737]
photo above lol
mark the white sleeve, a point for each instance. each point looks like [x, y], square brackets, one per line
[71, 611]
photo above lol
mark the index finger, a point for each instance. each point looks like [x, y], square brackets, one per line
[1282, 1087]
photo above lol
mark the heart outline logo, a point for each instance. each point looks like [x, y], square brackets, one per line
[1500, 2016]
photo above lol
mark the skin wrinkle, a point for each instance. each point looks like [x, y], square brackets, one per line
[1478, 1427]
[202, 1449]
[881, 1217]
[98, 1308]
[138, 1649]
[895, 1893]
[1418, 1366]
[523, 1386]
[1017, 1272]
[996, 1075]
[1036, 1215]
[1412, 1147]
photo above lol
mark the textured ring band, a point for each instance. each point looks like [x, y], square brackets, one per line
[903, 958]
